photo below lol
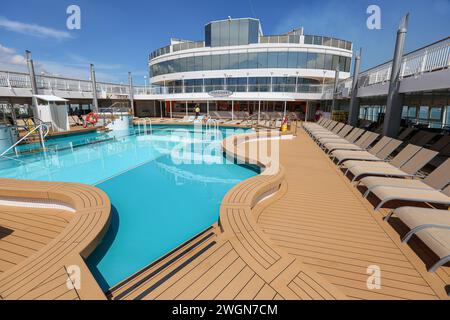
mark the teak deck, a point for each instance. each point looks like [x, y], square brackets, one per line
[300, 230]
[59, 239]
[321, 219]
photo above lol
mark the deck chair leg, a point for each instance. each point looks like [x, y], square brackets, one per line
[389, 216]
[412, 232]
[441, 262]
[366, 194]
[381, 204]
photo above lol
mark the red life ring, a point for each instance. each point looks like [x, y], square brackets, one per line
[92, 118]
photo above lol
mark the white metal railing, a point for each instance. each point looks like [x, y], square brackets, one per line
[46, 82]
[427, 59]
[52, 83]
[285, 88]
[38, 127]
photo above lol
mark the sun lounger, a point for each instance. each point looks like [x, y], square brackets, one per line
[422, 138]
[440, 144]
[349, 138]
[362, 143]
[326, 128]
[317, 134]
[431, 226]
[379, 152]
[436, 180]
[339, 135]
[386, 194]
[406, 164]
[405, 133]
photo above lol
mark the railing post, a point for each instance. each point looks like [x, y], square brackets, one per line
[424, 61]
[402, 74]
[8, 80]
[94, 89]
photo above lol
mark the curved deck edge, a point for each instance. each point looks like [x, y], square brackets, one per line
[283, 272]
[51, 273]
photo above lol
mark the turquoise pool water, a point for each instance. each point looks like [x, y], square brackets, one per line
[162, 186]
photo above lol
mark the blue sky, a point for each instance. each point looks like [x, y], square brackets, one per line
[118, 35]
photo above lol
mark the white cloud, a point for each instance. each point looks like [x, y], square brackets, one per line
[72, 67]
[10, 60]
[33, 29]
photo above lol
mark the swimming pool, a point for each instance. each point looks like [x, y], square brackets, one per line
[165, 186]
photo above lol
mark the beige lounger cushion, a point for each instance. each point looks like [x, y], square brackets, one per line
[325, 135]
[357, 157]
[408, 194]
[350, 154]
[333, 140]
[437, 239]
[371, 182]
[382, 170]
[414, 217]
[342, 146]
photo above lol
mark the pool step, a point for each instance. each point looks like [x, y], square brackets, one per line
[143, 282]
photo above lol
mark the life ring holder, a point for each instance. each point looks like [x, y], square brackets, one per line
[91, 118]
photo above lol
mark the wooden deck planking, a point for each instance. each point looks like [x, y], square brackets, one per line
[321, 219]
[25, 231]
[57, 238]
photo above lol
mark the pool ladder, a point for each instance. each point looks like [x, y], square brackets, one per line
[212, 128]
[145, 126]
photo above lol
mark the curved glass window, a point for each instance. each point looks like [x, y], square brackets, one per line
[239, 84]
[260, 60]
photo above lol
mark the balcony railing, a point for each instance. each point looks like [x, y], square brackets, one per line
[427, 59]
[15, 80]
[288, 88]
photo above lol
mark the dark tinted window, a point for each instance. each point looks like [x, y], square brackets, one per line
[224, 61]
[243, 62]
[292, 60]
[262, 60]
[301, 62]
[215, 62]
[311, 63]
[272, 60]
[252, 60]
[234, 33]
[320, 61]
[282, 59]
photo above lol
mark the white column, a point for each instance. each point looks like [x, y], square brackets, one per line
[207, 107]
[170, 107]
[187, 113]
[307, 111]
[284, 114]
[232, 109]
[259, 110]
